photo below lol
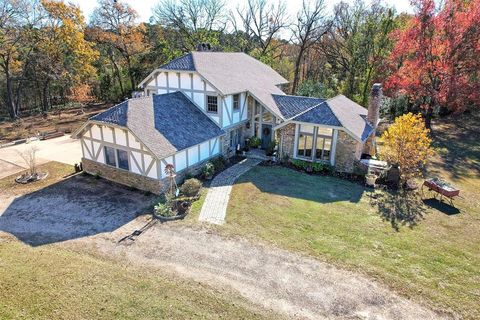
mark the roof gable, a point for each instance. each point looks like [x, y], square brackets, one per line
[351, 115]
[165, 123]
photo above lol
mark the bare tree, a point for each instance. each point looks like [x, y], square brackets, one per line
[29, 157]
[311, 24]
[196, 20]
[263, 21]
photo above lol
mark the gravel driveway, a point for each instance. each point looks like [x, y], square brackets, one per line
[76, 207]
[93, 215]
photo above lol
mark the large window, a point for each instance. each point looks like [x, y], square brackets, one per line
[212, 104]
[116, 158]
[110, 157]
[314, 143]
[305, 141]
[236, 102]
[122, 156]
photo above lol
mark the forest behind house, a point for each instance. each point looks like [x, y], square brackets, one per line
[51, 58]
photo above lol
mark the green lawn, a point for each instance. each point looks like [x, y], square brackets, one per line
[424, 251]
[51, 282]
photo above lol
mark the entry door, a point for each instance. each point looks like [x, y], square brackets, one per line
[266, 135]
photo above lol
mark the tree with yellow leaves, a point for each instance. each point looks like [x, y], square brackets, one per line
[63, 54]
[407, 143]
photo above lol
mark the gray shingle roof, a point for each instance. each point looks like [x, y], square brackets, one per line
[342, 112]
[291, 106]
[165, 123]
[233, 72]
[183, 63]
[320, 114]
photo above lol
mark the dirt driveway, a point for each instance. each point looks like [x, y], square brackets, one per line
[92, 215]
[63, 149]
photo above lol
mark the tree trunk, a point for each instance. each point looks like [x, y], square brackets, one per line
[130, 72]
[428, 117]
[45, 94]
[296, 76]
[119, 76]
[11, 107]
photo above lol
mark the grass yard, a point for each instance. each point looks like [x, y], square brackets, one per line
[56, 172]
[51, 282]
[425, 251]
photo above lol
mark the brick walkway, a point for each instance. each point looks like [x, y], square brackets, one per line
[215, 206]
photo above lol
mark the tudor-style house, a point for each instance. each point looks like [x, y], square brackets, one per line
[206, 104]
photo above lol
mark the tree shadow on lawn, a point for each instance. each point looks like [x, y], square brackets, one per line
[75, 207]
[400, 208]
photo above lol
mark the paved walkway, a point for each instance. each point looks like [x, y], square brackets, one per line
[215, 206]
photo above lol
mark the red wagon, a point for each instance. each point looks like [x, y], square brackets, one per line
[442, 188]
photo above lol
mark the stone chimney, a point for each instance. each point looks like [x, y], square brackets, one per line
[373, 116]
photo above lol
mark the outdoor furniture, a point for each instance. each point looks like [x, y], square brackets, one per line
[442, 188]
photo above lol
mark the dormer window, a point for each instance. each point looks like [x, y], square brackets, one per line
[212, 104]
[236, 102]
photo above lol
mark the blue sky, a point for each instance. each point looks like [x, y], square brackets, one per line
[144, 7]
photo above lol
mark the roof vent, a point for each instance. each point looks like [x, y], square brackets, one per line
[204, 46]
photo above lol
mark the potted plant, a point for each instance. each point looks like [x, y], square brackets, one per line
[208, 170]
[370, 179]
[255, 142]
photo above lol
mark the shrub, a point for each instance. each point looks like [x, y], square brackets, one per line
[191, 187]
[208, 170]
[255, 142]
[163, 209]
[317, 167]
[219, 163]
[299, 164]
[271, 148]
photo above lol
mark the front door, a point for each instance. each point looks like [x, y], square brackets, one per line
[266, 135]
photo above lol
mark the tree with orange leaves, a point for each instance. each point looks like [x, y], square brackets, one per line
[435, 61]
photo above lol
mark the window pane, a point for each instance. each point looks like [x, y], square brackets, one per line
[326, 149]
[318, 151]
[267, 117]
[308, 145]
[305, 128]
[325, 131]
[212, 105]
[236, 101]
[110, 156]
[258, 107]
[301, 146]
[122, 159]
[323, 148]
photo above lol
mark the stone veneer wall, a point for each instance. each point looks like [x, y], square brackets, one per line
[124, 177]
[286, 138]
[347, 152]
[135, 180]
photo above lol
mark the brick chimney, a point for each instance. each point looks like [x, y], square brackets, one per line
[373, 116]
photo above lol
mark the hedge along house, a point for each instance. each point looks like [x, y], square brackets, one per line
[204, 104]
